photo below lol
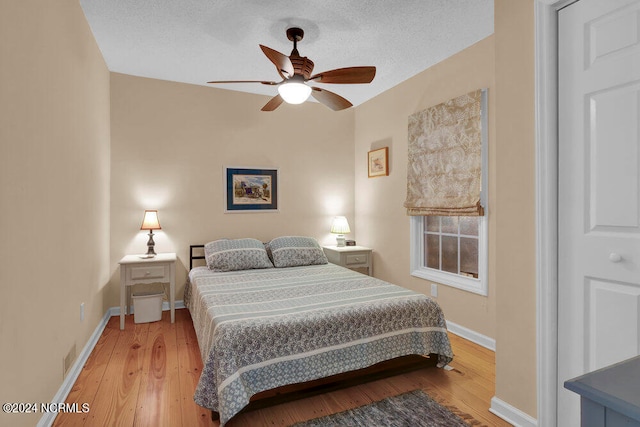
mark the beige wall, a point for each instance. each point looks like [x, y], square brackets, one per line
[170, 142]
[515, 243]
[382, 220]
[54, 194]
[503, 63]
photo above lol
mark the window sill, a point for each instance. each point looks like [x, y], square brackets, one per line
[468, 284]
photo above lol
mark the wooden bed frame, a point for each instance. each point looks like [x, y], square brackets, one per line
[298, 391]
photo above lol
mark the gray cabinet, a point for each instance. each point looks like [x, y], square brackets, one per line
[609, 396]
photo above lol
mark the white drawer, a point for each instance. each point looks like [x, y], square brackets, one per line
[148, 272]
[352, 259]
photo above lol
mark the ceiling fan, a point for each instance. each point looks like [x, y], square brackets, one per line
[295, 71]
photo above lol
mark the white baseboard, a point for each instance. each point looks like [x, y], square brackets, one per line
[511, 414]
[49, 417]
[498, 407]
[179, 305]
[472, 336]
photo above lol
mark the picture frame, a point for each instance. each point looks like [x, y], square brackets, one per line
[378, 162]
[250, 189]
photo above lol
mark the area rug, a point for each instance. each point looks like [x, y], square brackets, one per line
[413, 409]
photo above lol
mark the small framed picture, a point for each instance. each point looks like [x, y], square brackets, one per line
[378, 162]
[251, 189]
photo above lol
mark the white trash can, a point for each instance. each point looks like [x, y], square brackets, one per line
[147, 307]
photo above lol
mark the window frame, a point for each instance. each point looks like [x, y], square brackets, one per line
[469, 284]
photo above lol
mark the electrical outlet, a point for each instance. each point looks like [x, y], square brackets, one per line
[81, 311]
[434, 290]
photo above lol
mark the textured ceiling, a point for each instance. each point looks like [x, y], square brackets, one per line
[195, 41]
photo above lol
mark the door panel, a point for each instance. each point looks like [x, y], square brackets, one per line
[613, 158]
[612, 33]
[613, 322]
[599, 191]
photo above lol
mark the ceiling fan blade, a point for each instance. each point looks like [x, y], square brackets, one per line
[330, 99]
[349, 75]
[282, 62]
[244, 81]
[273, 103]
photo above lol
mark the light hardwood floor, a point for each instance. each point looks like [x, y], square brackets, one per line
[146, 376]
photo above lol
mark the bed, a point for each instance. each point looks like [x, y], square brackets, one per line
[272, 315]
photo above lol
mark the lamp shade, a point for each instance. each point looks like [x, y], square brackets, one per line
[150, 220]
[340, 225]
[294, 92]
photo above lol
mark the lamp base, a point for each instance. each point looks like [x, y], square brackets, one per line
[150, 244]
[340, 240]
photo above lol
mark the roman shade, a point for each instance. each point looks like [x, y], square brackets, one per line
[444, 171]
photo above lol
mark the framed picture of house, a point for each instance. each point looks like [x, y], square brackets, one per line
[378, 162]
[250, 189]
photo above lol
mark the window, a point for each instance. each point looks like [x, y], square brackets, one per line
[450, 250]
[451, 244]
[447, 192]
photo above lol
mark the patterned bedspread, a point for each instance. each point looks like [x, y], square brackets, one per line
[261, 329]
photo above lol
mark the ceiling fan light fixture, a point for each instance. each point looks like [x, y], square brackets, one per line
[295, 71]
[294, 92]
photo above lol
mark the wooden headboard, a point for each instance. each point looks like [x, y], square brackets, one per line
[199, 254]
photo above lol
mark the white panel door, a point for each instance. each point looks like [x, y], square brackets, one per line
[599, 191]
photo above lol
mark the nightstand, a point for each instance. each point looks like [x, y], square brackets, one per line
[352, 257]
[135, 269]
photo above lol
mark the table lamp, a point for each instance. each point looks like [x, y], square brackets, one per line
[150, 222]
[340, 226]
